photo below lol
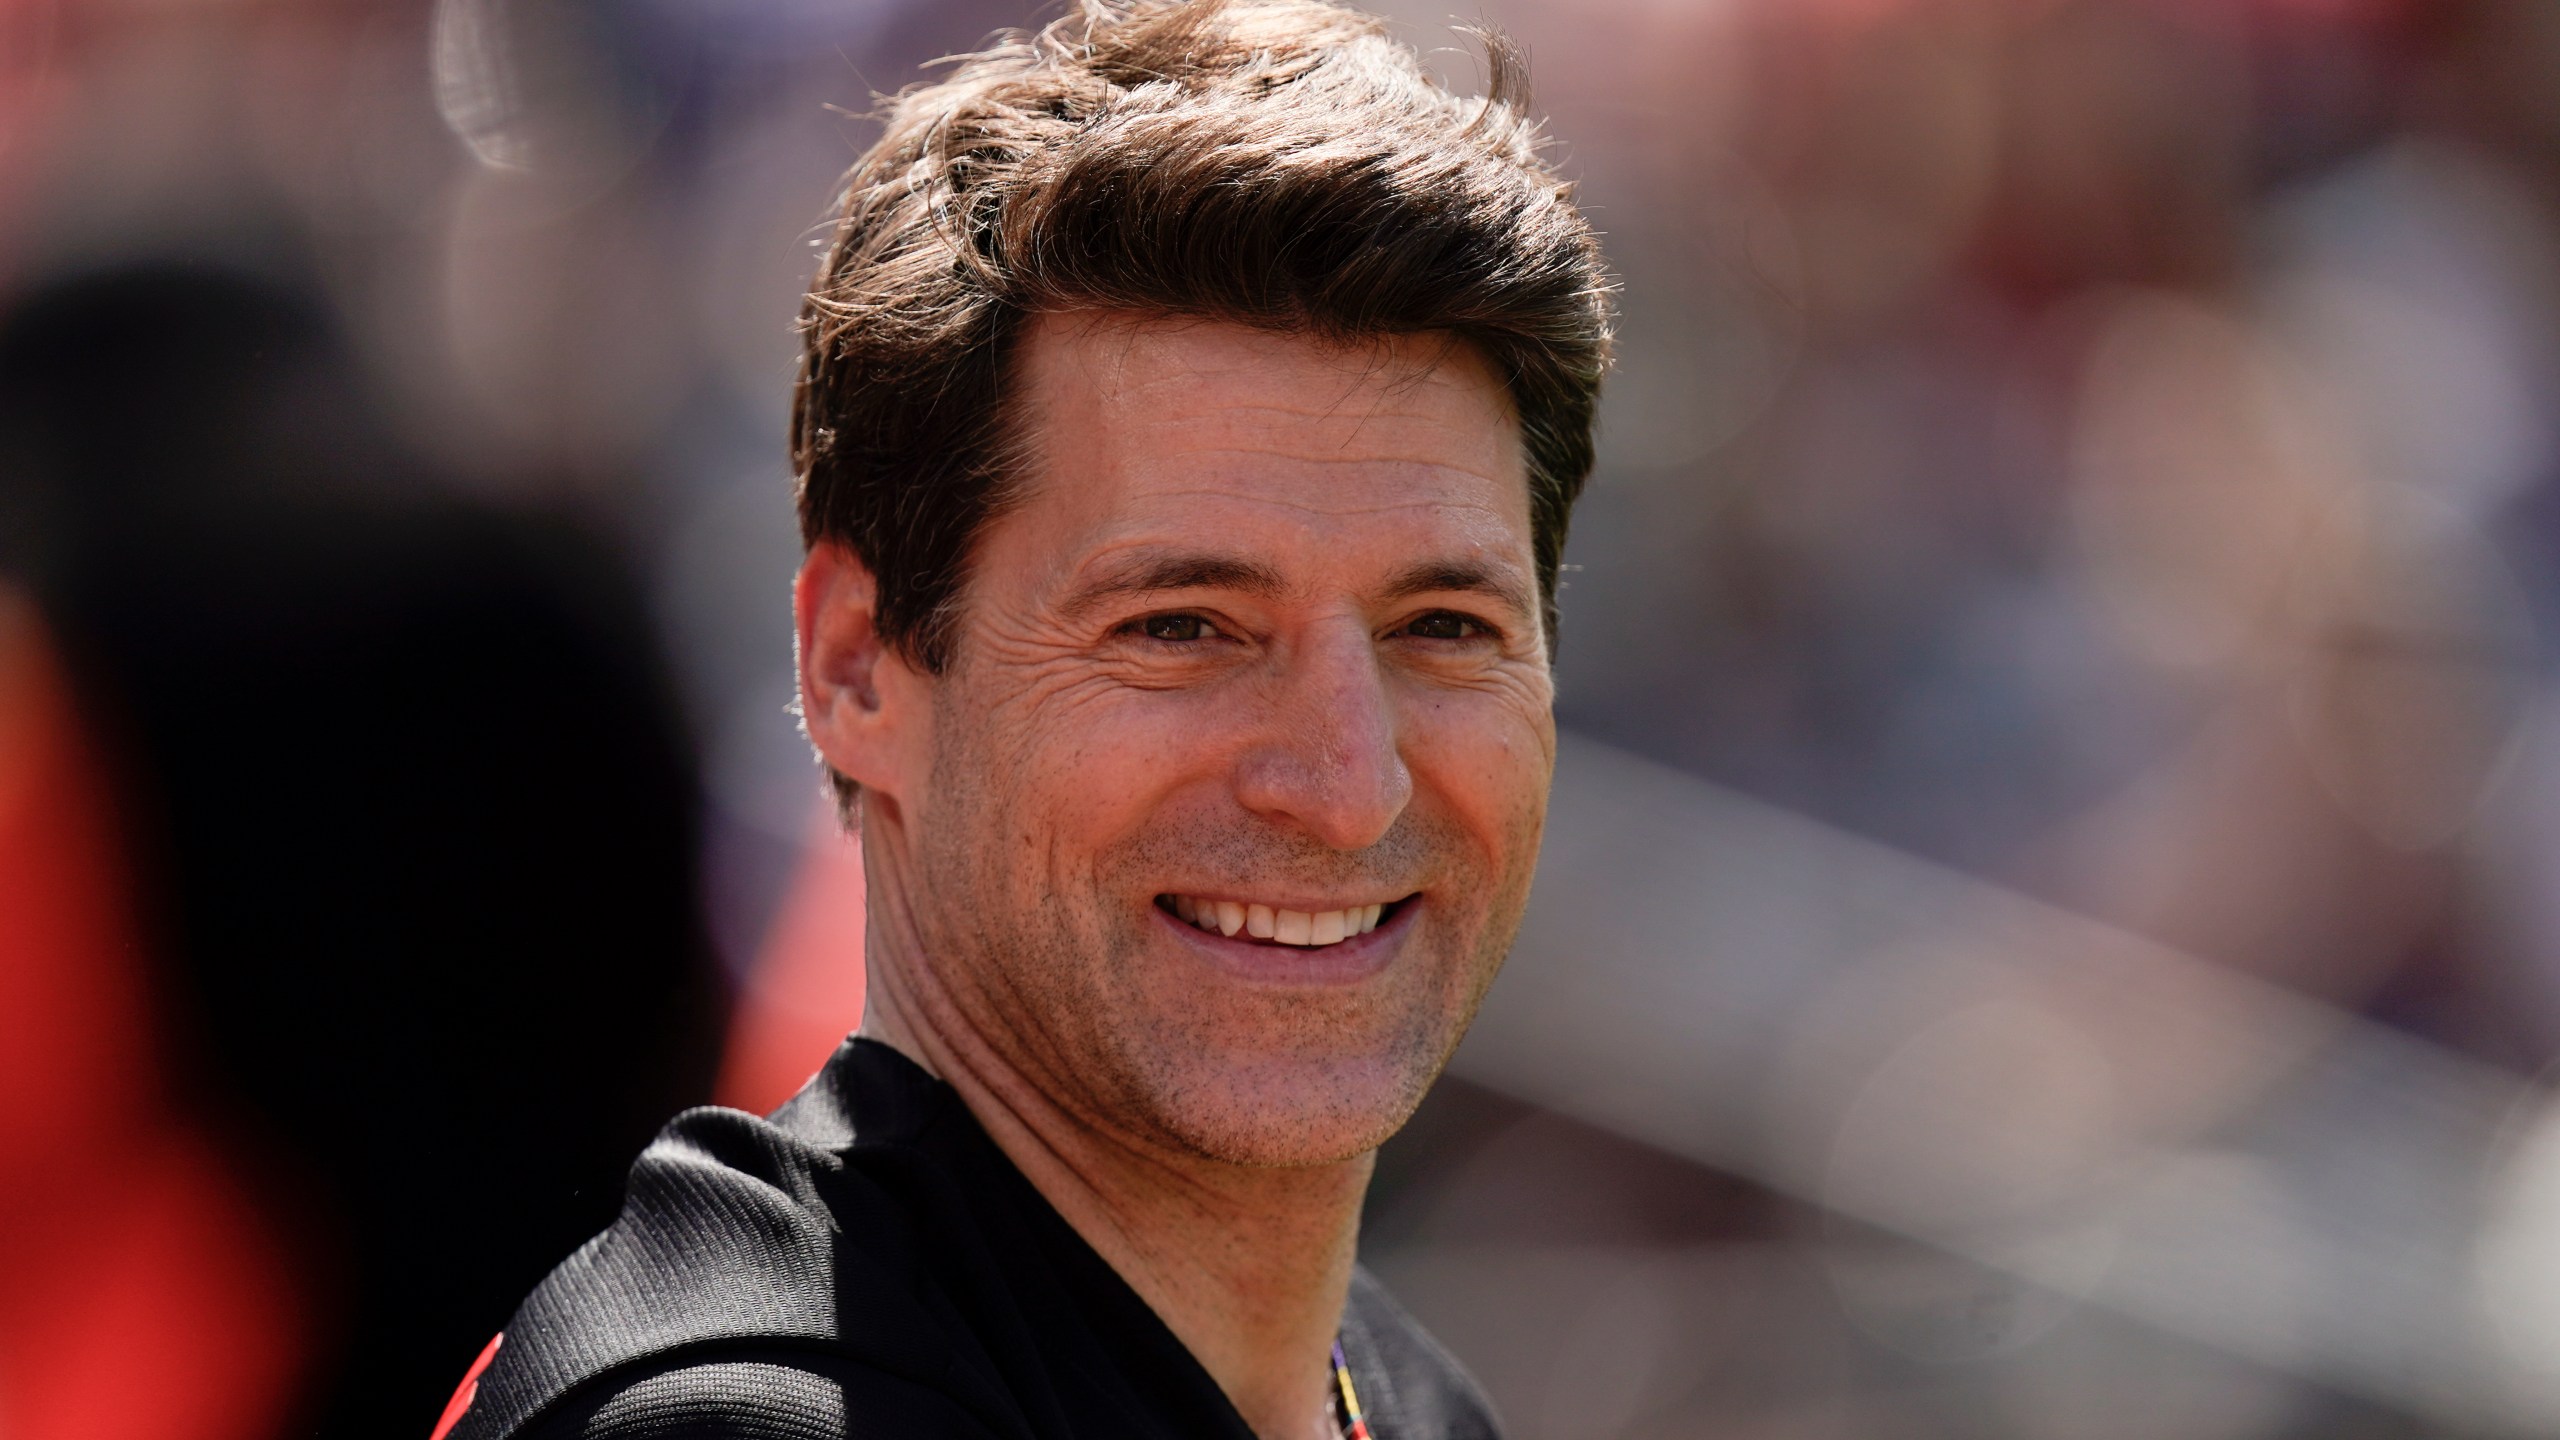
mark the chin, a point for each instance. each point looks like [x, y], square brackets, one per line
[1289, 1112]
[1289, 1076]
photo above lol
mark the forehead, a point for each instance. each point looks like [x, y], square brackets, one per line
[1136, 426]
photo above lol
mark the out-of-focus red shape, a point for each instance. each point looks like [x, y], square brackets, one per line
[468, 1390]
[142, 1296]
[804, 994]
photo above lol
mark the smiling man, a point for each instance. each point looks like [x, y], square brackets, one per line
[1195, 396]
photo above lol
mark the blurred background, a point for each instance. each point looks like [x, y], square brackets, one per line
[2051, 919]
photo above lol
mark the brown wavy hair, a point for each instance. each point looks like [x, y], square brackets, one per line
[1278, 163]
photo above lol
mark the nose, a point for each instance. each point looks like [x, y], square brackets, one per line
[1327, 761]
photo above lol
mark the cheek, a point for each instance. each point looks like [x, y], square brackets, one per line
[1488, 757]
[1073, 764]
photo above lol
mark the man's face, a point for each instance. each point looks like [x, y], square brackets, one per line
[1257, 653]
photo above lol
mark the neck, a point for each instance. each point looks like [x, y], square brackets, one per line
[1249, 1266]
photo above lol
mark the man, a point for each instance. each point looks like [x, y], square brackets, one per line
[1194, 399]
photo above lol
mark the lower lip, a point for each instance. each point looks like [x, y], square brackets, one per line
[1344, 962]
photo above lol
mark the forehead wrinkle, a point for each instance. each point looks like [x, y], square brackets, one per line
[1469, 513]
[1401, 400]
[1144, 565]
[1423, 462]
[1383, 406]
[1286, 421]
[1312, 429]
[1312, 508]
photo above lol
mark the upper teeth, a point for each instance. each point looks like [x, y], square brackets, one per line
[1266, 922]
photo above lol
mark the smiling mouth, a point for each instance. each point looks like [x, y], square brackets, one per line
[1271, 924]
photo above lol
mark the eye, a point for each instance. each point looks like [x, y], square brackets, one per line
[1447, 625]
[1178, 628]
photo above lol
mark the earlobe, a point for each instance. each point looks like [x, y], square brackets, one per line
[841, 659]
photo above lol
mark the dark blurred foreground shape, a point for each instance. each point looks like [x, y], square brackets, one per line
[123, 1233]
[410, 821]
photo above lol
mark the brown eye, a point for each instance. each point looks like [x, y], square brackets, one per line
[1442, 625]
[1174, 628]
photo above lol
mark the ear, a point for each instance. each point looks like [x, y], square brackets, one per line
[860, 700]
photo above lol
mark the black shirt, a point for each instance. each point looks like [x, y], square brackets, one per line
[867, 1262]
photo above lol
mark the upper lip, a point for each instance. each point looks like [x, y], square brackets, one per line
[1312, 907]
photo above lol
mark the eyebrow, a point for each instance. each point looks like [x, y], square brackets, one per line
[1176, 572]
[1203, 571]
[1425, 577]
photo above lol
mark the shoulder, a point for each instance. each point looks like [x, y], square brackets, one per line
[1411, 1388]
[734, 1232]
[767, 1395]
